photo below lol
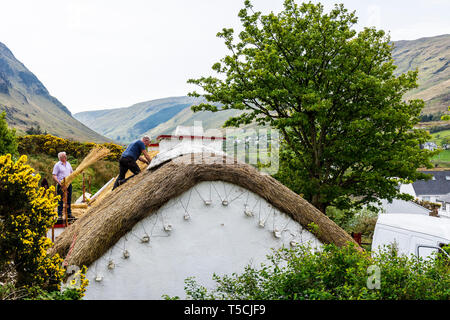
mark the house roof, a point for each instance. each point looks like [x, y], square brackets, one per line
[88, 238]
[439, 186]
[402, 206]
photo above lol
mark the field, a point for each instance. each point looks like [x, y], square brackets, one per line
[439, 137]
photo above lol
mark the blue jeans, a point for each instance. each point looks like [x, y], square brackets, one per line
[61, 202]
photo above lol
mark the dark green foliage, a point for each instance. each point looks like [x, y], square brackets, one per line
[446, 117]
[8, 143]
[332, 273]
[332, 93]
[431, 117]
[10, 292]
[35, 130]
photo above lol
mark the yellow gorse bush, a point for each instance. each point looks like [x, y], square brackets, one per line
[26, 213]
[51, 145]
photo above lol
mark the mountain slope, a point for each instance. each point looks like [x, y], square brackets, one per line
[431, 56]
[28, 103]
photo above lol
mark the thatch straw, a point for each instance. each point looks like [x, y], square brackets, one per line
[78, 212]
[101, 227]
[79, 205]
[93, 156]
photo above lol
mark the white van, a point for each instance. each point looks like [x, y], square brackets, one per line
[412, 233]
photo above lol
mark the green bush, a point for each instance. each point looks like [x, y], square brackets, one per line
[8, 142]
[343, 273]
[10, 292]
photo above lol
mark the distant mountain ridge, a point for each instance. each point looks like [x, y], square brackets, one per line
[28, 103]
[430, 55]
[152, 118]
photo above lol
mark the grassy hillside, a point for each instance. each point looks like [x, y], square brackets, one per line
[28, 103]
[431, 56]
[439, 137]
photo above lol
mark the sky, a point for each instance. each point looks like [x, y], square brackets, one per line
[102, 54]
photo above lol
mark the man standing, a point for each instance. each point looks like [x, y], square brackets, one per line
[61, 170]
[129, 157]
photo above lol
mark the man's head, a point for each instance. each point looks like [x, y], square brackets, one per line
[146, 140]
[62, 156]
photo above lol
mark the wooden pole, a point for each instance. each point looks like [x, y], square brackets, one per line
[89, 183]
[64, 190]
[53, 226]
[84, 190]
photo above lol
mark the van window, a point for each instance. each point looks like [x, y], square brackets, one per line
[426, 252]
[417, 241]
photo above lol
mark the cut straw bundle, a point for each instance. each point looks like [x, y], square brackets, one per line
[94, 155]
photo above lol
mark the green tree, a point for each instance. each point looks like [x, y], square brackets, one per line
[8, 143]
[348, 135]
[446, 117]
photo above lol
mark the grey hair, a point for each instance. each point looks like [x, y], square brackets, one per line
[146, 138]
[62, 153]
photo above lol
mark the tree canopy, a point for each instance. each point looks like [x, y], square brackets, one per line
[348, 135]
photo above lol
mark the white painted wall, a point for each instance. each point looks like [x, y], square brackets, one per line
[215, 239]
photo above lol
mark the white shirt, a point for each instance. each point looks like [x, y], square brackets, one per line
[61, 171]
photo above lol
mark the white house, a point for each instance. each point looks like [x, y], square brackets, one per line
[436, 190]
[192, 214]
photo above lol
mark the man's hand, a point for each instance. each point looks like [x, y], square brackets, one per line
[142, 159]
[147, 157]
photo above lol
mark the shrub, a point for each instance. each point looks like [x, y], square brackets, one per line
[8, 143]
[51, 145]
[26, 213]
[331, 273]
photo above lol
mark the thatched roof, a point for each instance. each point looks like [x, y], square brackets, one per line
[102, 226]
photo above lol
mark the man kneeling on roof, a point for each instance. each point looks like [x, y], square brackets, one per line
[129, 157]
